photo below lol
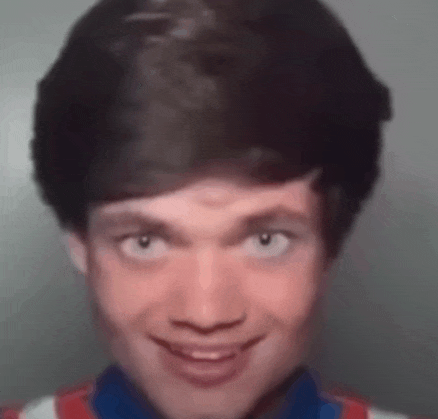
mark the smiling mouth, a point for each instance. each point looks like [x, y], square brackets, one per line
[205, 365]
[203, 352]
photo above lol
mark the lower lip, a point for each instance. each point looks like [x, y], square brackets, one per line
[205, 373]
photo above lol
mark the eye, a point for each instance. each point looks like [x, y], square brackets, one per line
[267, 245]
[144, 247]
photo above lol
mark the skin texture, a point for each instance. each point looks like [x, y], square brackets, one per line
[209, 280]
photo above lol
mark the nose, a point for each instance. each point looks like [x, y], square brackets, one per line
[209, 296]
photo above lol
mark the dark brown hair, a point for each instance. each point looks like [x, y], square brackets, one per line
[148, 89]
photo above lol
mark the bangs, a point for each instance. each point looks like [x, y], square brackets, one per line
[135, 175]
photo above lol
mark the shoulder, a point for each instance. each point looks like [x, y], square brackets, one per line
[376, 413]
[40, 408]
[357, 407]
[71, 403]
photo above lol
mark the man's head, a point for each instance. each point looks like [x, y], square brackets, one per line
[208, 159]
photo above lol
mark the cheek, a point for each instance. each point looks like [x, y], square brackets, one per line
[289, 293]
[121, 293]
[128, 293]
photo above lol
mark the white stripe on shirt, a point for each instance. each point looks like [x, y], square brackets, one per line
[375, 413]
[40, 409]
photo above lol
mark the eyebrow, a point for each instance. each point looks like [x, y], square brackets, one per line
[152, 224]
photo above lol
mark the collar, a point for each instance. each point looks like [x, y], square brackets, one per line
[116, 397]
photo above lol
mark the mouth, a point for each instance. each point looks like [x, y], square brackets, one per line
[205, 365]
[201, 352]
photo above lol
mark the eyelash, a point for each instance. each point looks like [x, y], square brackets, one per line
[138, 235]
[152, 235]
[290, 236]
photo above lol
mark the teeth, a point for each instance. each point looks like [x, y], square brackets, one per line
[206, 355]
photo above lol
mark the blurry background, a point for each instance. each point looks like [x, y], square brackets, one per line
[382, 334]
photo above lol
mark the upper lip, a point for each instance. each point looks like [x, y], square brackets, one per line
[191, 347]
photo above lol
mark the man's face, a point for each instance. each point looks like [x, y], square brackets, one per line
[216, 262]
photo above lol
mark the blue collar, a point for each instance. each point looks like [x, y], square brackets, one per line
[115, 397]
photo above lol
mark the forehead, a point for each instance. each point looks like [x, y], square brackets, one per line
[219, 199]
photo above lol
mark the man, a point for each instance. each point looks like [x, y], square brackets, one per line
[206, 160]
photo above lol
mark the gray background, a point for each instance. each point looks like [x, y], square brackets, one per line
[382, 334]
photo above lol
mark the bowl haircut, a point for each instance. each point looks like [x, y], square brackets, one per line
[145, 93]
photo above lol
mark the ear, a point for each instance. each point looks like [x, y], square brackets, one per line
[76, 248]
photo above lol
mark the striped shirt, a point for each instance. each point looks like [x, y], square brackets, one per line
[113, 396]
